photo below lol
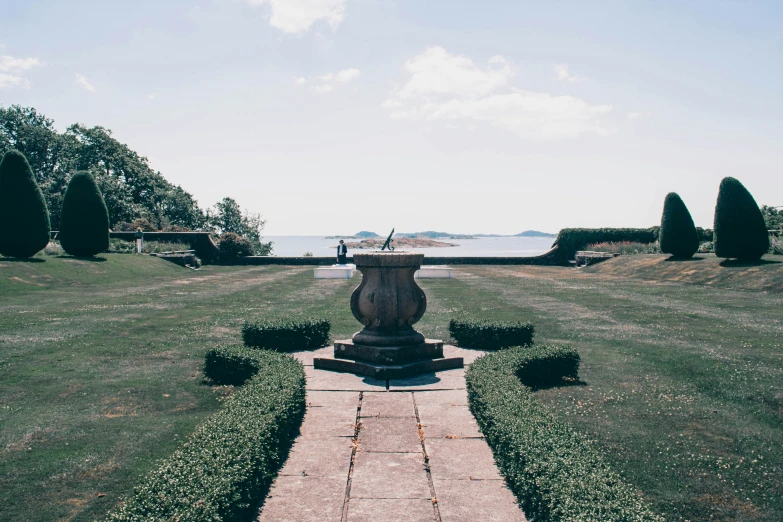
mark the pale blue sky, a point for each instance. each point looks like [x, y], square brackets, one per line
[331, 116]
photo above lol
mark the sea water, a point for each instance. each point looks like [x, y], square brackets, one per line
[494, 246]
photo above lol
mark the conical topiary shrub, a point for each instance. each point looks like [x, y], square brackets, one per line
[24, 218]
[84, 222]
[678, 235]
[740, 231]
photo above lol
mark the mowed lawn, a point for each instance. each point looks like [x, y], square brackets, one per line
[100, 372]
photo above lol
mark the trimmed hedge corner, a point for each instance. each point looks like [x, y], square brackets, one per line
[555, 473]
[490, 335]
[286, 335]
[226, 466]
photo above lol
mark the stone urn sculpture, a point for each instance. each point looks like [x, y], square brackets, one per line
[388, 302]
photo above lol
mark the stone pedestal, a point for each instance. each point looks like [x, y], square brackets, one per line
[388, 302]
[434, 272]
[334, 272]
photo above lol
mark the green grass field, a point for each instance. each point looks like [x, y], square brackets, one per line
[100, 369]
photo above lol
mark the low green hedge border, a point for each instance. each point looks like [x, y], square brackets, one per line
[490, 335]
[555, 473]
[224, 469]
[285, 335]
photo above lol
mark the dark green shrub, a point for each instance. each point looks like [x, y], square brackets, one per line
[678, 235]
[24, 219]
[555, 473]
[490, 335]
[226, 466]
[84, 221]
[571, 240]
[233, 246]
[285, 335]
[231, 364]
[740, 230]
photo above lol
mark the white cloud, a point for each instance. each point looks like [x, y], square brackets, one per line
[15, 65]
[344, 76]
[297, 16]
[11, 70]
[451, 88]
[152, 95]
[10, 80]
[81, 80]
[637, 115]
[561, 70]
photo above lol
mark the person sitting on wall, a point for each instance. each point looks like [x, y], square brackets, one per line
[342, 253]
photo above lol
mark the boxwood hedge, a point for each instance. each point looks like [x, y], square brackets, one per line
[490, 335]
[224, 469]
[555, 473]
[285, 335]
[571, 240]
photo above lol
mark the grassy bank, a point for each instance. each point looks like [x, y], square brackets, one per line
[100, 368]
[684, 382]
[100, 371]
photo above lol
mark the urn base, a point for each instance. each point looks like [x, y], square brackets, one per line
[388, 362]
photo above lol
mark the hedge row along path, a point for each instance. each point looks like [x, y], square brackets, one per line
[412, 452]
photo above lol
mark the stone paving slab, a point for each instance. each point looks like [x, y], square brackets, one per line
[448, 380]
[298, 499]
[389, 435]
[334, 381]
[333, 399]
[390, 510]
[306, 356]
[325, 422]
[461, 459]
[476, 500]
[389, 475]
[388, 404]
[390, 471]
[319, 457]
[446, 414]
[467, 355]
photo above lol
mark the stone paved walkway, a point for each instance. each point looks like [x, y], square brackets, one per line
[412, 452]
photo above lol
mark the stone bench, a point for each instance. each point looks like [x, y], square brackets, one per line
[334, 272]
[434, 272]
[588, 257]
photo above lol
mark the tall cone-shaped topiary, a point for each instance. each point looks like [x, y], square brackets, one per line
[740, 231]
[24, 218]
[678, 235]
[84, 222]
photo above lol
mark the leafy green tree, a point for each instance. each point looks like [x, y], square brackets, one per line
[227, 216]
[49, 154]
[85, 220]
[24, 219]
[132, 189]
[740, 231]
[773, 217]
[678, 235]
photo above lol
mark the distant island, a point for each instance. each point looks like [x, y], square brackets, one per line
[431, 234]
[534, 233]
[376, 243]
[359, 235]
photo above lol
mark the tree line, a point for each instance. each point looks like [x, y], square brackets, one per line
[136, 196]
